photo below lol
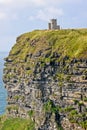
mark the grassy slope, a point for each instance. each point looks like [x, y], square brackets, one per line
[66, 42]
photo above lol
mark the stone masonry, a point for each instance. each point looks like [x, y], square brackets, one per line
[53, 25]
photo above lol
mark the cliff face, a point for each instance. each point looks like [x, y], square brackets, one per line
[46, 78]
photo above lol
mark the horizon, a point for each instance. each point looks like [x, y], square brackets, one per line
[16, 18]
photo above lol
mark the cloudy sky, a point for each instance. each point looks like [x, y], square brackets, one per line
[20, 16]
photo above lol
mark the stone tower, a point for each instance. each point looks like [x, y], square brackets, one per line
[53, 25]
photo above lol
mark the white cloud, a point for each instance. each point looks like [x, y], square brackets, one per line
[11, 8]
[46, 9]
[33, 3]
[20, 3]
[47, 14]
[2, 16]
[5, 2]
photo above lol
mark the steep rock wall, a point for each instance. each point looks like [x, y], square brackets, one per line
[45, 83]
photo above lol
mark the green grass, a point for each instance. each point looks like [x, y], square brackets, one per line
[17, 124]
[66, 42]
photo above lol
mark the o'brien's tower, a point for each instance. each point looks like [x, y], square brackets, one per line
[53, 25]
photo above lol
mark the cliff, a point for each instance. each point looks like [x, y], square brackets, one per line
[45, 75]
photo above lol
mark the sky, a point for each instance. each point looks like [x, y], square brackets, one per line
[21, 16]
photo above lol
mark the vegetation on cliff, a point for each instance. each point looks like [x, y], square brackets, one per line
[72, 43]
[16, 124]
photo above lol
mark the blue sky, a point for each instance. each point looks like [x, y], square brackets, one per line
[20, 16]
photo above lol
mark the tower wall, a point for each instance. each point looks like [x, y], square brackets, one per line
[53, 24]
[49, 26]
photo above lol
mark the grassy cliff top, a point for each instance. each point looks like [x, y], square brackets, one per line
[70, 42]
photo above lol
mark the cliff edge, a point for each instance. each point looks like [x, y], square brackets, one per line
[45, 75]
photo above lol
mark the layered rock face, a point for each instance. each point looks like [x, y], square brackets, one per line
[46, 81]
